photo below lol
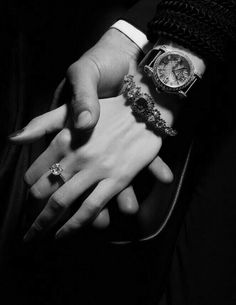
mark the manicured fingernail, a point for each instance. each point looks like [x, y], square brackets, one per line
[84, 119]
[16, 133]
[59, 235]
[29, 236]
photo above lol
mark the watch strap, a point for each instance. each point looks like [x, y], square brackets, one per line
[148, 63]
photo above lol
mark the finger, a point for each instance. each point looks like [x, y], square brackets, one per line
[57, 95]
[90, 208]
[102, 221]
[161, 170]
[53, 154]
[48, 183]
[40, 126]
[127, 201]
[83, 77]
[41, 165]
[60, 201]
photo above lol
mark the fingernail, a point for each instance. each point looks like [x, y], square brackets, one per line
[84, 119]
[16, 133]
[59, 235]
[29, 236]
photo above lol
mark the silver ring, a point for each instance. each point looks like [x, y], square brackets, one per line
[56, 170]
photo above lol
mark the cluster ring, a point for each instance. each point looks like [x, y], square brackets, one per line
[56, 170]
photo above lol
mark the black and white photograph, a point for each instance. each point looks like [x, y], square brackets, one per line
[118, 152]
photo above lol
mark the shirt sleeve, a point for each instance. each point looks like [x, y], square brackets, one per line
[134, 34]
[134, 23]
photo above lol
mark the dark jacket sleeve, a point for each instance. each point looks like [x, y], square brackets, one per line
[141, 13]
[205, 26]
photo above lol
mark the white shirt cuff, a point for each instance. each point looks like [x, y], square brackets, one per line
[138, 37]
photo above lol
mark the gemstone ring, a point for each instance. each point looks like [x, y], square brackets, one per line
[56, 170]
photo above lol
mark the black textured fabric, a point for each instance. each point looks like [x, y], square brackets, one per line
[138, 20]
[204, 26]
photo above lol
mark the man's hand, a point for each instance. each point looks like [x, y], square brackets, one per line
[99, 73]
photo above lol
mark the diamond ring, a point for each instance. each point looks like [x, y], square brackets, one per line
[56, 170]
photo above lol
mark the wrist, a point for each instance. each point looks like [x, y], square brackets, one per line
[198, 62]
[120, 42]
[156, 110]
[172, 68]
[168, 105]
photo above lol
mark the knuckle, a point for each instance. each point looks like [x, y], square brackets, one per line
[35, 192]
[37, 225]
[93, 207]
[71, 69]
[85, 154]
[75, 223]
[57, 203]
[108, 163]
[123, 178]
[35, 121]
[63, 139]
[76, 69]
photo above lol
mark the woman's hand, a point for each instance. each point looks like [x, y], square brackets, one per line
[118, 149]
[98, 73]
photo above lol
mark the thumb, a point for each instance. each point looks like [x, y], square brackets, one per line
[40, 126]
[161, 170]
[83, 77]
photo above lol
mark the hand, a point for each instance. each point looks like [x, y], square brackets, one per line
[99, 72]
[118, 148]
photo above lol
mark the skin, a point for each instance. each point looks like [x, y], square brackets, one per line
[98, 73]
[109, 160]
[118, 148]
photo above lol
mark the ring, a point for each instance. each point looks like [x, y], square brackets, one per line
[56, 170]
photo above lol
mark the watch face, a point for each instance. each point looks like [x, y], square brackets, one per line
[173, 70]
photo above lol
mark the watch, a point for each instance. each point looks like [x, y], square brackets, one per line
[171, 70]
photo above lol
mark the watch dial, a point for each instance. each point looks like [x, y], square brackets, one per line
[173, 70]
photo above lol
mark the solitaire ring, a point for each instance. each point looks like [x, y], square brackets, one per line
[56, 170]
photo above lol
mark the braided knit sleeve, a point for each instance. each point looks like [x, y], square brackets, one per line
[206, 27]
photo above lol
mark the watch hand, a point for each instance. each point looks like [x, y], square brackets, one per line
[173, 72]
[180, 69]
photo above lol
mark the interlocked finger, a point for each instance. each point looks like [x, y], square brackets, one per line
[102, 220]
[91, 207]
[161, 170]
[42, 164]
[56, 175]
[127, 201]
[53, 154]
[61, 201]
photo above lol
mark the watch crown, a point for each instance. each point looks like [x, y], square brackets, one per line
[148, 70]
[182, 94]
